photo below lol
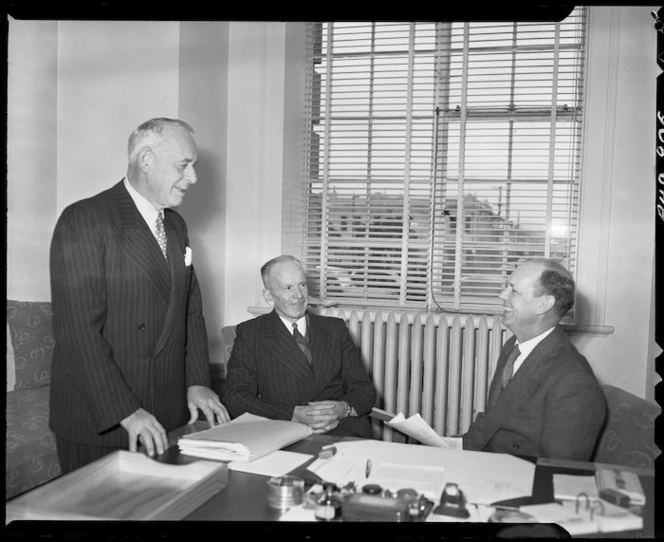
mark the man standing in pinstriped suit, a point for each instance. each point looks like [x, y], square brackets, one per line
[297, 366]
[131, 353]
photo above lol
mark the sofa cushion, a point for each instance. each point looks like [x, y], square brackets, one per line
[31, 456]
[628, 436]
[11, 365]
[31, 331]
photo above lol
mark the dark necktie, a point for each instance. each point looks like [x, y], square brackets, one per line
[161, 235]
[509, 364]
[302, 343]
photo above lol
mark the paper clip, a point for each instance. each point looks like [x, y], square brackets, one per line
[584, 496]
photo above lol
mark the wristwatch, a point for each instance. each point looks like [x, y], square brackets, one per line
[351, 412]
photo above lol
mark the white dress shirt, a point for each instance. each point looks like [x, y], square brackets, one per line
[526, 347]
[147, 210]
[301, 325]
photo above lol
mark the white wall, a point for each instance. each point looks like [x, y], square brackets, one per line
[112, 76]
[255, 160]
[617, 235]
[203, 103]
[31, 157]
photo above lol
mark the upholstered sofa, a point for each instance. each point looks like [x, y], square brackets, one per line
[31, 457]
[628, 435]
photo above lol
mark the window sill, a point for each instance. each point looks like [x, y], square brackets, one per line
[587, 329]
[581, 329]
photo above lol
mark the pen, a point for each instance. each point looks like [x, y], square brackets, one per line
[367, 471]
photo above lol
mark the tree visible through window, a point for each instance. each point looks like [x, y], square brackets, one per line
[440, 154]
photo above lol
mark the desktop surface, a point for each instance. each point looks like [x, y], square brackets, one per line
[244, 500]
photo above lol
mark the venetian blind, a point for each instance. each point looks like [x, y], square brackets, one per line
[440, 154]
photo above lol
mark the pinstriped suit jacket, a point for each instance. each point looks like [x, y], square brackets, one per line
[552, 407]
[268, 375]
[129, 329]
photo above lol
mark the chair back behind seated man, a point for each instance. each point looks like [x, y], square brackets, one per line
[291, 364]
[544, 399]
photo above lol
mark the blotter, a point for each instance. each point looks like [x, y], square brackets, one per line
[246, 438]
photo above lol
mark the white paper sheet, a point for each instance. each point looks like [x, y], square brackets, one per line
[569, 486]
[483, 477]
[416, 427]
[246, 438]
[277, 463]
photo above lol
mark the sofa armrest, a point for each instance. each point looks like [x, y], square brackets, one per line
[628, 435]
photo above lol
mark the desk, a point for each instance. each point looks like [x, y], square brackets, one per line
[244, 500]
[245, 497]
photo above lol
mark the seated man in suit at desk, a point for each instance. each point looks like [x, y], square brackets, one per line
[544, 400]
[293, 365]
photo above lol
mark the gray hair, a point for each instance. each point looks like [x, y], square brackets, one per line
[267, 266]
[150, 132]
[557, 281]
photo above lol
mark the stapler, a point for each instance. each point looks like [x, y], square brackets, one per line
[452, 502]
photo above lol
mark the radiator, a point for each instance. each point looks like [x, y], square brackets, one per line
[439, 365]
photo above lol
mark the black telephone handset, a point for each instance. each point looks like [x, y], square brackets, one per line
[452, 502]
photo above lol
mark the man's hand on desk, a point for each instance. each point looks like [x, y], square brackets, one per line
[208, 401]
[321, 416]
[143, 426]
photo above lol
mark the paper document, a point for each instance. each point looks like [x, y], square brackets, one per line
[570, 486]
[599, 516]
[276, 463]
[416, 427]
[483, 477]
[246, 438]
[394, 476]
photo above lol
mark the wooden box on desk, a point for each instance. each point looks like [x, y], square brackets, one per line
[123, 486]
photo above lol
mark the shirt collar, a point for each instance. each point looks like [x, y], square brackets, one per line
[526, 347]
[301, 324]
[147, 210]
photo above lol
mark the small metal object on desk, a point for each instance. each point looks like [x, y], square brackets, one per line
[327, 452]
[283, 492]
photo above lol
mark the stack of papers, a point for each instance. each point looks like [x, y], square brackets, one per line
[246, 438]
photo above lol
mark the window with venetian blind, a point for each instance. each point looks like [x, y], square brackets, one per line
[440, 155]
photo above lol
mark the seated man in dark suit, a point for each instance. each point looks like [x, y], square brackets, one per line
[291, 364]
[544, 399]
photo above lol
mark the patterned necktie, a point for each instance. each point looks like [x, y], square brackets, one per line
[161, 235]
[509, 364]
[302, 343]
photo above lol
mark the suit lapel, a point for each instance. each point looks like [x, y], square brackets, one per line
[496, 383]
[285, 350]
[177, 275]
[138, 242]
[523, 384]
[321, 350]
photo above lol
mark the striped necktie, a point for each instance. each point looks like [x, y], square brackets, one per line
[161, 235]
[302, 343]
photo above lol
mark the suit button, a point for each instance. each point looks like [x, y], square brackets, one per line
[141, 326]
[515, 447]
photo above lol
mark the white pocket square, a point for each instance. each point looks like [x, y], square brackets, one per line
[187, 257]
